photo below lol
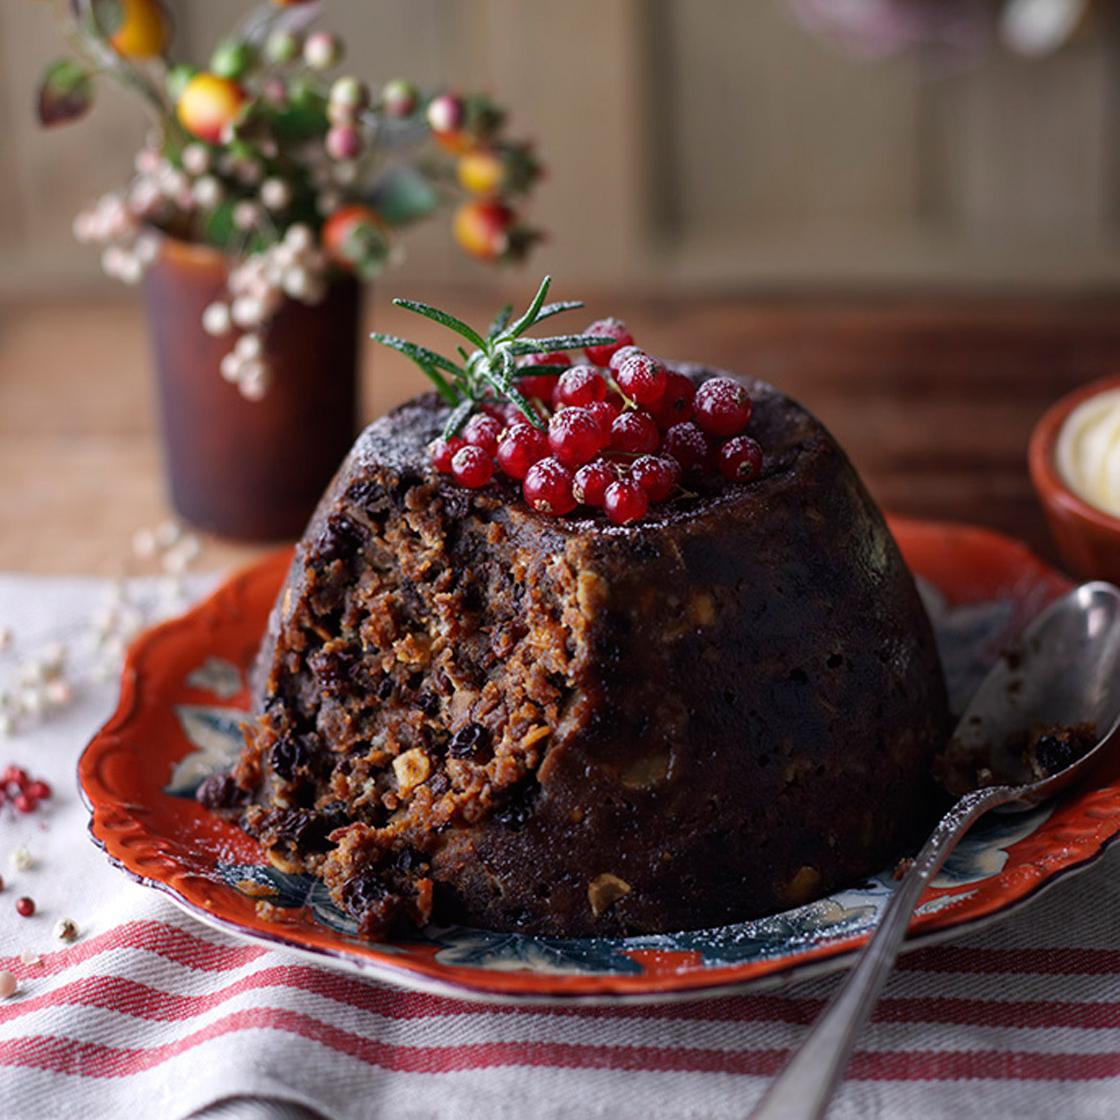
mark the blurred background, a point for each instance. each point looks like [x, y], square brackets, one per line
[696, 145]
[887, 207]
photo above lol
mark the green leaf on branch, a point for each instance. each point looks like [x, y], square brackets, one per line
[459, 416]
[559, 342]
[491, 372]
[429, 362]
[65, 93]
[530, 316]
[403, 195]
[444, 319]
[500, 321]
[219, 229]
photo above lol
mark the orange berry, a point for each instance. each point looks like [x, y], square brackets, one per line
[482, 229]
[482, 173]
[208, 104]
[339, 227]
[143, 31]
[455, 141]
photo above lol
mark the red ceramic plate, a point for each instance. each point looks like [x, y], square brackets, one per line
[183, 696]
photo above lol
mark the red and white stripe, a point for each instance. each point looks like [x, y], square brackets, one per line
[162, 1006]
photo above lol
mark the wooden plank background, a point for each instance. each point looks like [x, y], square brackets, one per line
[692, 144]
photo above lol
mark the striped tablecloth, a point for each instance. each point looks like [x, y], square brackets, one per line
[151, 1014]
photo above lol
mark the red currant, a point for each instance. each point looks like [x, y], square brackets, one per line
[686, 443]
[575, 436]
[540, 387]
[39, 789]
[548, 488]
[552, 358]
[634, 432]
[676, 402]
[25, 907]
[620, 356]
[25, 803]
[14, 775]
[642, 379]
[625, 501]
[740, 459]
[657, 475]
[580, 385]
[604, 412]
[472, 467]
[520, 447]
[483, 431]
[591, 482]
[442, 451]
[608, 328]
[722, 407]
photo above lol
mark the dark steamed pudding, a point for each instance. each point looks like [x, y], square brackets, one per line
[469, 712]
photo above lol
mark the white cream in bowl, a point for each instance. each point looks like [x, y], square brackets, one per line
[1087, 454]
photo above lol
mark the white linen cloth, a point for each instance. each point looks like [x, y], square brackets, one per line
[151, 1014]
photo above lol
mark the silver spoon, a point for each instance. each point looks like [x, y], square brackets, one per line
[1066, 672]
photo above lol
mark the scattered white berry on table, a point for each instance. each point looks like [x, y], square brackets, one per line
[66, 929]
[29, 956]
[58, 694]
[9, 985]
[144, 540]
[21, 859]
[167, 533]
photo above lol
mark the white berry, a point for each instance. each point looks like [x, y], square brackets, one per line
[276, 194]
[215, 319]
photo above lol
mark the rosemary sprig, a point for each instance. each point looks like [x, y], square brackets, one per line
[489, 370]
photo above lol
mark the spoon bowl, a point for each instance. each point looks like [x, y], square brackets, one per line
[1063, 671]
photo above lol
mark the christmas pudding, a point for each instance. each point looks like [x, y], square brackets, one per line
[656, 666]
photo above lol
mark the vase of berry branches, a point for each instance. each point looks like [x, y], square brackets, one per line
[269, 191]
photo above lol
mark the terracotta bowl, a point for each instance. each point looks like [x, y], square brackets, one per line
[1088, 539]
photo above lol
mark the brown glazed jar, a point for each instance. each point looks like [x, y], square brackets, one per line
[252, 470]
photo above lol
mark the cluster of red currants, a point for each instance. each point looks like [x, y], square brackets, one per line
[623, 433]
[23, 791]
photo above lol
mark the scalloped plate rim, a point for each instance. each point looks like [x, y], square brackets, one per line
[485, 986]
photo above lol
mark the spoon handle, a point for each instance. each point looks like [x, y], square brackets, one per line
[803, 1089]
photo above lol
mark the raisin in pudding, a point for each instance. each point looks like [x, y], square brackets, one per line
[664, 669]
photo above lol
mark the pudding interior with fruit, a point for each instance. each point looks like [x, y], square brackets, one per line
[627, 649]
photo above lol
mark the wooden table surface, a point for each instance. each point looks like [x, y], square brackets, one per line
[934, 401]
